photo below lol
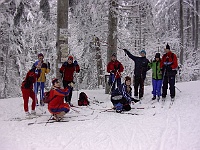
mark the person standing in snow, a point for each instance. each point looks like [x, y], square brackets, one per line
[115, 68]
[168, 65]
[156, 76]
[141, 68]
[27, 89]
[67, 70]
[56, 106]
[121, 97]
[45, 69]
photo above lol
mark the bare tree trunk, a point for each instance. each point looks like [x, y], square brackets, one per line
[197, 26]
[62, 33]
[181, 31]
[112, 33]
[193, 24]
[99, 62]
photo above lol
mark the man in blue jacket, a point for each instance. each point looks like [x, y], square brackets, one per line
[141, 68]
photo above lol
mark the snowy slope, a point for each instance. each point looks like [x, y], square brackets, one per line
[177, 128]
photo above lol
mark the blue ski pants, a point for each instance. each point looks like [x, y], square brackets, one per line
[40, 85]
[157, 85]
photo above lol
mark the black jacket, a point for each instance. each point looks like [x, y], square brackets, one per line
[141, 65]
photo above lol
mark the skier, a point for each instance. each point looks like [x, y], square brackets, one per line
[169, 67]
[27, 89]
[67, 70]
[121, 97]
[115, 68]
[141, 68]
[156, 76]
[45, 69]
[56, 106]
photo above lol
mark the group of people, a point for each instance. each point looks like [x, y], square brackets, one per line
[35, 80]
[164, 71]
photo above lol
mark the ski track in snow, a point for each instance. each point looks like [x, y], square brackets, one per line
[177, 128]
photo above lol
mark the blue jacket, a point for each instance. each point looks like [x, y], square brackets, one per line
[122, 90]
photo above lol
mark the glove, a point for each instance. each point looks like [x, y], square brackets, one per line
[125, 50]
[112, 71]
[135, 100]
[48, 65]
[71, 84]
[167, 63]
[75, 63]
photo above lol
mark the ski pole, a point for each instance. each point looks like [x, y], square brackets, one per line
[113, 83]
[178, 89]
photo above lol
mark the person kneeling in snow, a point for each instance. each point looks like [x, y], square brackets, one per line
[56, 106]
[121, 97]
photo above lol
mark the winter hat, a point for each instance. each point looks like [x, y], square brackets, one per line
[157, 55]
[167, 46]
[71, 58]
[40, 54]
[127, 78]
[114, 54]
[54, 81]
[143, 51]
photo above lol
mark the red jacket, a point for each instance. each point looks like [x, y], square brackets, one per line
[68, 71]
[58, 101]
[30, 79]
[171, 58]
[116, 67]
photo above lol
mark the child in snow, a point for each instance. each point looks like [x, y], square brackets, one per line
[115, 68]
[27, 89]
[45, 69]
[121, 97]
[156, 76]
[67, 70]
[56, 106]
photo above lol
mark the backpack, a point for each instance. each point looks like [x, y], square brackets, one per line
[83, 99]
[46, 98]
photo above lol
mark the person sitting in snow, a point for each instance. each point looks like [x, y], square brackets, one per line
[27, 89]
[121, 97]
[56, 106]
[156, 77]
[115, 68]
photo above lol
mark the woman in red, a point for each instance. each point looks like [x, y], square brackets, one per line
[67, 70]
[115, 68]
[27, 89]
[56, 106]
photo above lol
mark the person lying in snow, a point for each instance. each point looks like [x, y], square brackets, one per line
[27, 89]
[56, 106]
[121, 97]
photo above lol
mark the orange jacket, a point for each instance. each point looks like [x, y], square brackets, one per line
[58, 101]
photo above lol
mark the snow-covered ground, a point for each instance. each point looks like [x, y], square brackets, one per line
[175, 128]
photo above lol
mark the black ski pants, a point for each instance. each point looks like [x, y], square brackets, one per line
[123, 101]
[139, 83]
[69, 97]
[171, 81]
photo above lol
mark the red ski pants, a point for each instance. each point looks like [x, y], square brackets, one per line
[26, 93]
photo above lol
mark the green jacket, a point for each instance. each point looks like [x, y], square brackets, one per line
[156, 72]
